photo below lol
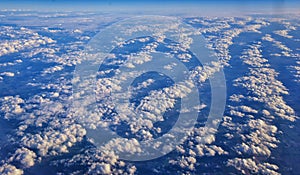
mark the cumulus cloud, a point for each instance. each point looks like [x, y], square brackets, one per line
[52, 69]
[250, 166]
[24, 156]
[47, 140]
[8, 169]
[283, 33]
[33, 40]
[8, 74]
[260, 138]
[56, 135]
[15, 62]
[285, 51]
[11, 106]
[265, 86]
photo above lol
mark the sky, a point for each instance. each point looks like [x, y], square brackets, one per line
[191, 6]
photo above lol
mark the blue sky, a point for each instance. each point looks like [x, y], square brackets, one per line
[154, 5]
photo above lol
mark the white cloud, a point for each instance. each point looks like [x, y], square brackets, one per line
[250, 166]
[283, 33]
[263, 84]
[242, 109]
[7, 169]
[11, 106]
[170, 66]
[8, 74]
[61, 134]
[25, 157]
[52, 69]
[15, 62]
[144, 84]
[101, 168]
[77, 31]
[31, 40]
[260, 138]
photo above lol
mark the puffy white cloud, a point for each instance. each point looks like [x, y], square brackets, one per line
[296, 71]
[135, 59]
[52, 142]
[250, 166]
[55, 94]
[144, 84]
[52, 69]
[121, 145]
[263, 84]
[260, 138]
[185, 163]
[100, 161]
[201, 74]
[15, 62]
[170, 66]
[24, 156]
[268, 37]
[240, 110]
[61, 134]
[101, 168]
[8, 74]
[32, 40]
[8, 169]
[57, 138]
[11, 106]
[184, 57]
[77, 31]
[236, 98]
[285, 51]
[283, 33]
[202, 142]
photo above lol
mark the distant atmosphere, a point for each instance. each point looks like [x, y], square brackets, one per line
[209, 7]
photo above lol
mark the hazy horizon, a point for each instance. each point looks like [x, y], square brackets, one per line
[203, 7]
